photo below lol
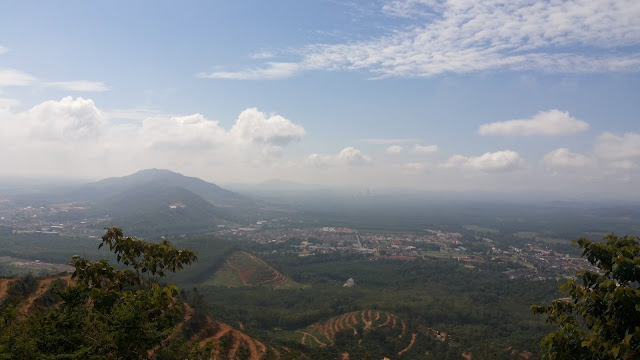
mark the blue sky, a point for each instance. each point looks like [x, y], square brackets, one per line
[427, 94]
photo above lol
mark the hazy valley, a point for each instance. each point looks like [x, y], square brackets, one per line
[324, 274]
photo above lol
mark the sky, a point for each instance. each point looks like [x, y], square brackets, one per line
[461, 95]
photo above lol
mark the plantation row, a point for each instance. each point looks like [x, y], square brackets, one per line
[244, 269]
[324, 333]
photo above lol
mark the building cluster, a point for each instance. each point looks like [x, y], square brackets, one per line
[533, 261]
[48, 221]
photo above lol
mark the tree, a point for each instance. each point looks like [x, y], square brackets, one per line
[110, 313]
[600, 317]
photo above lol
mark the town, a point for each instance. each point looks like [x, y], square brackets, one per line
[470, 246]
[534, 261]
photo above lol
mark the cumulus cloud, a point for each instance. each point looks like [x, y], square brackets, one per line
[68, 119]
[498, 161]
[612, 146]
[256, 127]
[353, 157]
[562, 157]
[470, 36]
[134, 114]
[191, 131]
[79, 85]
[320, 161]
[394, 149]
[424, 149]
[548, 123]
[253, 131]
[73, 136]
[348, 156]
[272, 71]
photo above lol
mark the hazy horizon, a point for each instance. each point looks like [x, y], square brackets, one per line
[297, 190]
[514, 97]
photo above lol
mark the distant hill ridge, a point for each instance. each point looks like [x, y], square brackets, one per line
[208, 191]
[156, 201]
[149, 203]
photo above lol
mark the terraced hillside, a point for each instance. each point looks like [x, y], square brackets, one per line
[357, 323]
[229, 343]
[4, 286]
[31, 303]
[244, 269]
[232, 343]
[29, 293]
[323, 333]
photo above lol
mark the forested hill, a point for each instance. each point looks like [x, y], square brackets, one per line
[207, 191]
[148, 203]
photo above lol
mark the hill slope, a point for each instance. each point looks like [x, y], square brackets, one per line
[373, 331]
[148, 203]
[207, 191]
[159, 208]
[243, 269]
[32, 295]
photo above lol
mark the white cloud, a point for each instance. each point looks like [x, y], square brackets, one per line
[562, 157]
[611, 146]
[548, 123]
[383, 141]
[394, 149]
[67, 120]
[191, 131]
[79, 85]
[264, 54]
[7, 104]
[455, 36]
[412, 8]
[424, 149]
[13, 77]
[498, 161]
[353, 157]
[73, 136]
[135, 114]
[320, 161]
[273, 70]
[3, 49]
[254, 126]
[266, 135]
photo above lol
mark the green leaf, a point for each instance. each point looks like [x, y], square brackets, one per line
[615, 350]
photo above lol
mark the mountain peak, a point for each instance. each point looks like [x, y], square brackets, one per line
[208, 191]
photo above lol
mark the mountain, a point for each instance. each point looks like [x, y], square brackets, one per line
[158, 202]
[208, 191]
[150, 202]
[156, 208]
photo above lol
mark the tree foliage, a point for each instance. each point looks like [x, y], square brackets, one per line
[600, 318]
[110, 312]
